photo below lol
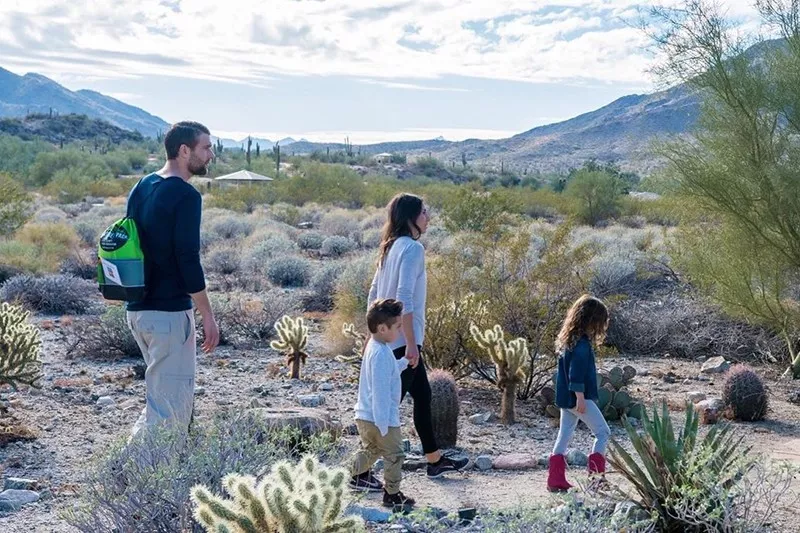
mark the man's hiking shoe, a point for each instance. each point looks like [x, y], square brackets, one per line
[444, 465]
[398, 502]
[366, 482]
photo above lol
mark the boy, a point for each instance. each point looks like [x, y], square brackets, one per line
[378, 407]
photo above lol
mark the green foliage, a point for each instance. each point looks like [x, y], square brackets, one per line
[71, 164]
[17, 155]
[106, 338]
[289, 271]
[15, 205]
[688, 481]
[67, 128]
[242, 198]
[744, 393]
[428, 166]
[467, 210]
[292, 340]
[445, 407]
[510, 359]
[448, 342]
[19, 348]
[598, 194]
[304, 498]
[741, 166]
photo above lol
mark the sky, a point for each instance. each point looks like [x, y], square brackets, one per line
[372, 70]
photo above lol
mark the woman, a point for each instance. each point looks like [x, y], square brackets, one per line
[401, 275]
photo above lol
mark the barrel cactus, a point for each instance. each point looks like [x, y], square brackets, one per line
[745, 394]
[445, 407]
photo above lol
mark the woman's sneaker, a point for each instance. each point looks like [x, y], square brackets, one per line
[446, 464]
[366, 482]
[398, 502]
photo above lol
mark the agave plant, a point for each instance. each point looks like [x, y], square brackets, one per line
[689, 483]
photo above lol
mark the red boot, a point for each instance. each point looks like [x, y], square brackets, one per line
[557, 474]
[597, 469]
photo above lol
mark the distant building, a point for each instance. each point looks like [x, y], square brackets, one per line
[242, 177]
[383, 158]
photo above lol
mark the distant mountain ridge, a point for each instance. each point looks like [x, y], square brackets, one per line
[34, 93]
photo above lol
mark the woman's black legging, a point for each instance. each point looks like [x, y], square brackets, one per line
[415, 382]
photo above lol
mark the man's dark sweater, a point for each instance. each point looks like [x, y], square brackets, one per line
[167, 214]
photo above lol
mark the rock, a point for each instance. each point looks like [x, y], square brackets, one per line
[129, 405]
[45, 495]
[199, 391]
[715, 365]
[483, 462]
[515, 461]
[406, 446]
[544, 460]
[14, 499]
[794, 397]
[352, 429]
[481, 418]
[378, 466]
[369, 514]
[326, 387]
[695, 396]
[577, 458]
[17, 483]
[310, 400]
[223, 401]
[414, 462]
[106, 401]
[627, 512]
[309, 421]
[710, 410]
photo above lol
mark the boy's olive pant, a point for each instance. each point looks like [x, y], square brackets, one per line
[374, 445]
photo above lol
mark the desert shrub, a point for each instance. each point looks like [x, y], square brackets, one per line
[7, 272]
[350, 301]
[15, 204]
[231, 227]
[337, 246]
[288, 214]
[745, 394]
[289, 271]
[269, 246]
[108, 337]
[322, 288]
[51, 243]
[79, 265]
[222, 259]
[49, 214]
[243, 319]
[448, 341]
[467, 210]
[145, 486]
[88, 233]
[25, 258]
[613, 274]
[310, 240]
[53, 294]
[371, 238]
[676, 321]
[598, 195]
[243, 198]
[339, 222]
[697, 483]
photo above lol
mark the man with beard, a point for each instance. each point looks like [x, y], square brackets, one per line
[166, 209]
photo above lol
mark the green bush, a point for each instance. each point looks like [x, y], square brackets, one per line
[598, 195]
[108, 338]
[289, 271]
[15, 205]
[467, 210]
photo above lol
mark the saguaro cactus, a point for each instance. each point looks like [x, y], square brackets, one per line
[303, 498]
[510, 360]
[292, 340]
[19, 347]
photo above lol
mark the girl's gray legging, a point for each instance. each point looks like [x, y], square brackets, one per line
[593, 418]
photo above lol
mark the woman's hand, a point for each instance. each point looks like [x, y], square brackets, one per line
[581, 404]
[412, 354]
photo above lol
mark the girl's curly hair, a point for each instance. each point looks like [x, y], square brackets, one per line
[587, 316]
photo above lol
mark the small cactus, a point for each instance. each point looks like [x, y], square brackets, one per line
[510, 360]
[445, 407]
[745, 394]
[349, 331]
[19, 348]
[292, 340]
[303, 498]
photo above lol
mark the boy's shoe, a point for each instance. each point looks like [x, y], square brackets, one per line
[398, 501]
[446, 464]
[365, 482]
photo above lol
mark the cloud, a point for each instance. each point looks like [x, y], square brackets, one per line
[401, 41]
[413, 86]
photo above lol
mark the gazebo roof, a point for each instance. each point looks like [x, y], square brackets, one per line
[243, 175]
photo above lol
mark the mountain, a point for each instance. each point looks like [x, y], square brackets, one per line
[66, 128]
[34, 93]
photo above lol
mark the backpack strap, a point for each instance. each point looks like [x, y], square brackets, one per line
[135, 190]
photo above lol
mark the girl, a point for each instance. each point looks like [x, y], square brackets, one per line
[576, 387]
[401, 275]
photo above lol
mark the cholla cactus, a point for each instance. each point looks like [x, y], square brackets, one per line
[292, 340]
[19, 347]
[349, 330]
[510, 360]
[302, 498]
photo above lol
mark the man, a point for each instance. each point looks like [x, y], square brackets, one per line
[166, 209]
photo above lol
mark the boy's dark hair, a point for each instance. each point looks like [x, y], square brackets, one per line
[181, 133]
[383, 312]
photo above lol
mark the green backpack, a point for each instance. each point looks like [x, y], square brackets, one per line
[120, 259]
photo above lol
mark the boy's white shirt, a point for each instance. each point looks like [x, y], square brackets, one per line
[380, 387]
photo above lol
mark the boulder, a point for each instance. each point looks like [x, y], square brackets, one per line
[515, 461]
[715, 365]
[309, 421]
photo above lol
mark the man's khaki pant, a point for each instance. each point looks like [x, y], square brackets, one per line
[167, 341]
[373, 445]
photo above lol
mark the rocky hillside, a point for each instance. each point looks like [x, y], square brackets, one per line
[34, 93]
[66, 128]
